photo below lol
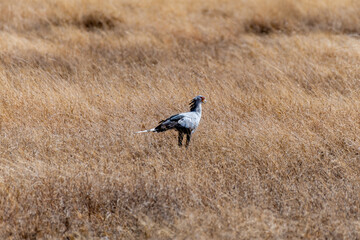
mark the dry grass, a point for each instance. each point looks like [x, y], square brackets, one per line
[276, 156]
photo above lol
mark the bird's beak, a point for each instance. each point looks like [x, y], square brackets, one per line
[204, 101]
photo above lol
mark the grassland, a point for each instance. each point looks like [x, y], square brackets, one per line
[276, 156]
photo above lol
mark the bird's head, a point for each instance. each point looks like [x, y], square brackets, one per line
[199, 98]
[196, 100]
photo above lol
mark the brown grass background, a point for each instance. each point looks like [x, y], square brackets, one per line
[277, 153]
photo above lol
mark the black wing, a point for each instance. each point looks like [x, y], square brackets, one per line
[168, 123]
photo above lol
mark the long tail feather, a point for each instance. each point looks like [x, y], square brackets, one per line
[150, 130]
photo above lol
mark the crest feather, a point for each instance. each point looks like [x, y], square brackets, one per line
[192, 105]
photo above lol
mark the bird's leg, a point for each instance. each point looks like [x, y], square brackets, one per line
[180, 138]
[188, 138]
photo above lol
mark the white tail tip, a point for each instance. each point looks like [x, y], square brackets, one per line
[141, 131]
[150, 130]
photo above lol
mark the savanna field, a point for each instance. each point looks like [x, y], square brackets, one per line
[277, 152]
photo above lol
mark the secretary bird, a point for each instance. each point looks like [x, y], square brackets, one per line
[184, 123]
